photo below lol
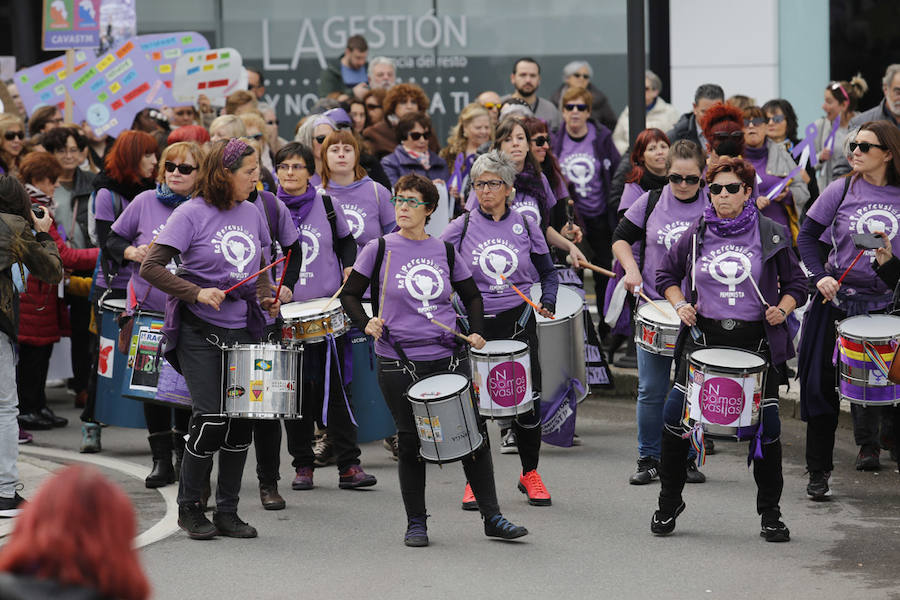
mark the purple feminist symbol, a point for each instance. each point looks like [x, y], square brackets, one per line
[829, 141]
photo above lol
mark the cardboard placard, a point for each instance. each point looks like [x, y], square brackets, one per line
[45, 83]
[164, 49]
[215, 73]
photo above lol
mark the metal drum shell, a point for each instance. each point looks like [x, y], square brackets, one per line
[261, 381]
[312, 327]
[664, 335]
[853, 382]
[487, 358]
[454, 411]
[561, 345]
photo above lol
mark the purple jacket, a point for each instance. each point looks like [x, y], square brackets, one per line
[398, 163]
[781, 272]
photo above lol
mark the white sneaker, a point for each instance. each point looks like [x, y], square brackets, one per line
[508, 443]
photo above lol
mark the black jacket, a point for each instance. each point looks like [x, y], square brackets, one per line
[685, 129]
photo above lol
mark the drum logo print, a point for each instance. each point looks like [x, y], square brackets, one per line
[262, 365]
[235, 391]
[730, 268]
[237, 248]
[106, 359]
[429, 429]
[256, 390]
[721, 400]
[648, 335]
[507, 384]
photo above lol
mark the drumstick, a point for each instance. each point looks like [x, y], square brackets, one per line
[387, 268]
[336, 294]
[649, 301]
[593, 267]
[758, 293]
[451, 330]
[260, 272]
[524, 297]
[281, 279]
[858, 256]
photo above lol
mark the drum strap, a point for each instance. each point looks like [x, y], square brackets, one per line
[332, 222]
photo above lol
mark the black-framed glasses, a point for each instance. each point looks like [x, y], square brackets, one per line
[576, 106]
[733, 188]
[688, 179]
[320, 138]
[491, 184]
[418, 135]
[776, 119]
[11, 135]
[411, 202]
[540, 140]
[864, 147]
[182, 168]
[725, 135]
[755, 122]
[290, 167]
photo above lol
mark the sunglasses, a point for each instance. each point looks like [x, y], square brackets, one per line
[864, 147]
[272, 122]
[689, 179]
[290, 167]
[492, 105]
[578, 107]
[776, 119]
[411, 202]
[733, 188]
[418, 135]
[182, 168]
[11, 135]
[755, 122]
[724, 135]
[581, 75]
[373, 106]
[320, 138]
[491, 184]
[540, 140]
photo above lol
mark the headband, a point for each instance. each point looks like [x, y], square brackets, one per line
[234, 149]
[843, 91]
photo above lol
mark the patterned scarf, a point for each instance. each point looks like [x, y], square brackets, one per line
[169, 198]
[422, 157]
[742, 223]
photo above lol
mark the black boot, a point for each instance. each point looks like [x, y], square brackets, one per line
[178, 445]
[163, 473]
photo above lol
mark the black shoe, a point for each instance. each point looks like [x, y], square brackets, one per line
[774, 530]
[817, 489]
[710, 445]
[230, 525]
[664, 524]
[11, 507]
[34, 422]
[269, 496]
[498, 526]
[163, 473]
[693, 473]
[416, 532]
[647, 470]
[51, 416]
[868, 459]
[192, 520]
[629, 359]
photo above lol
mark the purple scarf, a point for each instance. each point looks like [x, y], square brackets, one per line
[742, 223]
[299, 206]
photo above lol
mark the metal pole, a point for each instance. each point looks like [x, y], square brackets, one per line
[637, 109]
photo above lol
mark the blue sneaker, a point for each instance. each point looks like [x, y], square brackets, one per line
[498, 526]
[416, 532]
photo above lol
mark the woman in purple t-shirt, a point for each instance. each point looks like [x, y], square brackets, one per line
[730, 248]
[221, 240]
[506, 249]
[131, 237]
[409, 346]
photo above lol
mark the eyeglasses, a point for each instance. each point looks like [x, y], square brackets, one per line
[417, 135]
[578, 107]
[491, 184]
[411, 202]
[492, 105]
[733, 188]
[11, 135]
[724, 135]
[755, 122]
[864, 147]
[182, 168]
[540, 140]
[290, 167]
[581, 75]
[776, 119]
[373, 106]
[343, 125]
[320, 138]
[253, 86]
[67, 151]
[689, 179]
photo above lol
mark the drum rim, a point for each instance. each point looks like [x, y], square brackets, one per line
[520, 351]
[108, 304]
[859, 318]
[726, 369]
[437, 399]
[266, 345]
[644, 319]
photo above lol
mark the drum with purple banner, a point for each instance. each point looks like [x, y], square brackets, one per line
[866, 345]
[112, 408]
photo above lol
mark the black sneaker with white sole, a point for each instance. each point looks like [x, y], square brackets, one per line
[775, 531]
[693, 474]
[11, 507]
[647, 470]
[664, 524]
[817, 489]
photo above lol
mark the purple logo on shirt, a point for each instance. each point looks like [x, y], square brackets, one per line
[507, 383]
[721, 400]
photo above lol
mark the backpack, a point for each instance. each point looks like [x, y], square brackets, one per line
[118, 203]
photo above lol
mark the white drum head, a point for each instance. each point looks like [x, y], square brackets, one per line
[438, 386]
[870, 326]
[650, 312]
[115, 304]
[500, 347]
[568, 302]
[728, 357]
[306, 308]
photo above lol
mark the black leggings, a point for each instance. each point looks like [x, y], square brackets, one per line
[160, 418]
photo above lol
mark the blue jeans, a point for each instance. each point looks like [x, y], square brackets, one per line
[653, 385]
[9, 426]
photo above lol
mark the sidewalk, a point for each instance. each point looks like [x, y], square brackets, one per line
[32, 473]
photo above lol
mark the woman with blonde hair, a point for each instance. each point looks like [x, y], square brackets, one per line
[256, 130]
[12, 142]
[471, 131]
[226, 127]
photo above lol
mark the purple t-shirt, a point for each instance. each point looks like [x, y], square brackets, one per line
[320, 273]
[367, 208]
[522, 202]
[104, 210]
[723, 268]
[223, 246]
[867, 208]
[285, 235]
[584, 171]
[141, 221]
[668, 221]
[418, 289]
[493, 248]
[630, 194]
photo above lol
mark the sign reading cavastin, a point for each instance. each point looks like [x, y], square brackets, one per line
[69, 24]
[45, 83]
[215, 74]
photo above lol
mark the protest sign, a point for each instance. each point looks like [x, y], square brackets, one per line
[69, 24]
[215, 73]
[44, 83]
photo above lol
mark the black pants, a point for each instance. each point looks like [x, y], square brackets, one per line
[82, 357]
[163, 418]
[31, 377]
[87, 415]
[341, 430]
[394, 379]
[599, 237]
[527, 427]
[209, 430]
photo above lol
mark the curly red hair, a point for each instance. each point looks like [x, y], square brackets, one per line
[78, 530]
[644, 139]
[124, 159]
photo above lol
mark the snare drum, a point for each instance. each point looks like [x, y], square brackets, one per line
[308, 322]
[655, 331]
[445, 417]
[862, 339]
[144, 358]
[501, 376]
[111, 408]
[561, 344]
[261, 382]
[724, 391]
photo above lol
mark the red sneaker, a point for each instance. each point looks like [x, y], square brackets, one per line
[469, 502]
[531, 485]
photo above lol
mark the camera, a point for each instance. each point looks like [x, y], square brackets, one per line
[38, 211]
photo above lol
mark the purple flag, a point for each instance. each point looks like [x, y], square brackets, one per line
[558, 416]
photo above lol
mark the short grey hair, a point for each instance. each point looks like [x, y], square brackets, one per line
[382, 60]
[653, 78]
[573, 66]
[889, 74]
[305, 132]
[495, 162]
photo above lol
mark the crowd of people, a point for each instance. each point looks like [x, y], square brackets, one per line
[140, 218]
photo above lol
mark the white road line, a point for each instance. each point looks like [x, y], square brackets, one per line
[163, 528]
